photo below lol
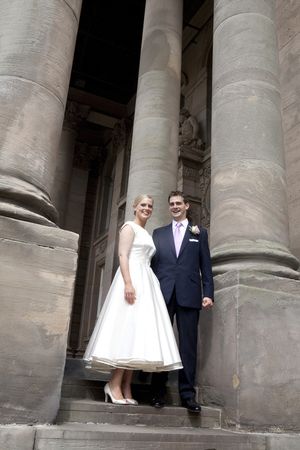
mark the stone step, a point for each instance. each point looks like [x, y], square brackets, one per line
[82, 383]
[94, 390]
[123, 437]
[90, 411]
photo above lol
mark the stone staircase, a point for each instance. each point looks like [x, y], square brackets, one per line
[90, 424]
[90, 411]
[84, 421]
[76, 436]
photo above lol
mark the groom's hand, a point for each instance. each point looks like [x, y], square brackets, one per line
[207, 302]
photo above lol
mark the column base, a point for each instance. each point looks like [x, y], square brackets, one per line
[250, 351]
[263, 256]
[24, 201]
[17, 212]
[37, 272]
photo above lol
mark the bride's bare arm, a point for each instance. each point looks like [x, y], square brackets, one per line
[125, 244]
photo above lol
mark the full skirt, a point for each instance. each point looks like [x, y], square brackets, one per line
[138, 336]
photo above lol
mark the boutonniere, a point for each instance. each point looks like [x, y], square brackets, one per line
[194, 229]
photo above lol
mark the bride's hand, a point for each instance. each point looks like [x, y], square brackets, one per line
[129, 294]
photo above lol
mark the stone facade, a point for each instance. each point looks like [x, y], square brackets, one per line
[216, 114]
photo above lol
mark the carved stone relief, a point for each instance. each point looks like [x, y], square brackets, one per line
[205, 178]
[74, 114]
[189, 132]
[191, 173]
[119, 134]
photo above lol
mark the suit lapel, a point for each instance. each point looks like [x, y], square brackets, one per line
[170, 240]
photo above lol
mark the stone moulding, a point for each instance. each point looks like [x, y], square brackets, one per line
[259, 256]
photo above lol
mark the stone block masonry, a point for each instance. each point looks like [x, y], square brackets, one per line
[250, 353]
[37, 271]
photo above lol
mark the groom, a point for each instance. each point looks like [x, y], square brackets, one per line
[182, 253]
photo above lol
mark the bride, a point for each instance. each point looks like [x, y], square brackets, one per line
[133, 330]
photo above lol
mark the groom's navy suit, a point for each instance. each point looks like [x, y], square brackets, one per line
[184, 281]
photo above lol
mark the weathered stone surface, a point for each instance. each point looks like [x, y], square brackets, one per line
[250, 351]
[288, 19]
[90, 411]
[31, 42]
[107, 436]
[283, 442]
[154, 153]
[34, 79]
[75, 6]
[27, 162]
[17, 437]
[37, 271]
[95, 437]
[249, 220]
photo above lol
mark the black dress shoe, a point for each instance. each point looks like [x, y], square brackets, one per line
[191, 405]
[157, 402]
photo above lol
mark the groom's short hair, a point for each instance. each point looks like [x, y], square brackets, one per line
[178, 194]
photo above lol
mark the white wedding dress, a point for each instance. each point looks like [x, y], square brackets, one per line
[138, 336]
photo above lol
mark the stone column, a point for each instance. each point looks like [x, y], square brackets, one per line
[288, 19]
[38, 262]
[250, 340]
[153, 165]
[59, 193]
[37, 46]
[249, 219]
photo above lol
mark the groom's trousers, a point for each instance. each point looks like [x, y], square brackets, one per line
[187, 324]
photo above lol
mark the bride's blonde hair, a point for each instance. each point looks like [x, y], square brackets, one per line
[139, 198]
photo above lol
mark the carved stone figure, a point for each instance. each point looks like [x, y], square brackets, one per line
[189, 131]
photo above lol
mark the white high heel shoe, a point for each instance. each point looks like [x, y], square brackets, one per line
[108, 393]
[131, 401]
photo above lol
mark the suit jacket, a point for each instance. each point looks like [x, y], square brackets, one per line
[190, 274]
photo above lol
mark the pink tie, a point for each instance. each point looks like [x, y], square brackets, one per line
[177, 237]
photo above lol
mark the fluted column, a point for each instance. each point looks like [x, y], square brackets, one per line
[249, 220]
[36, 55]
[154, 153]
